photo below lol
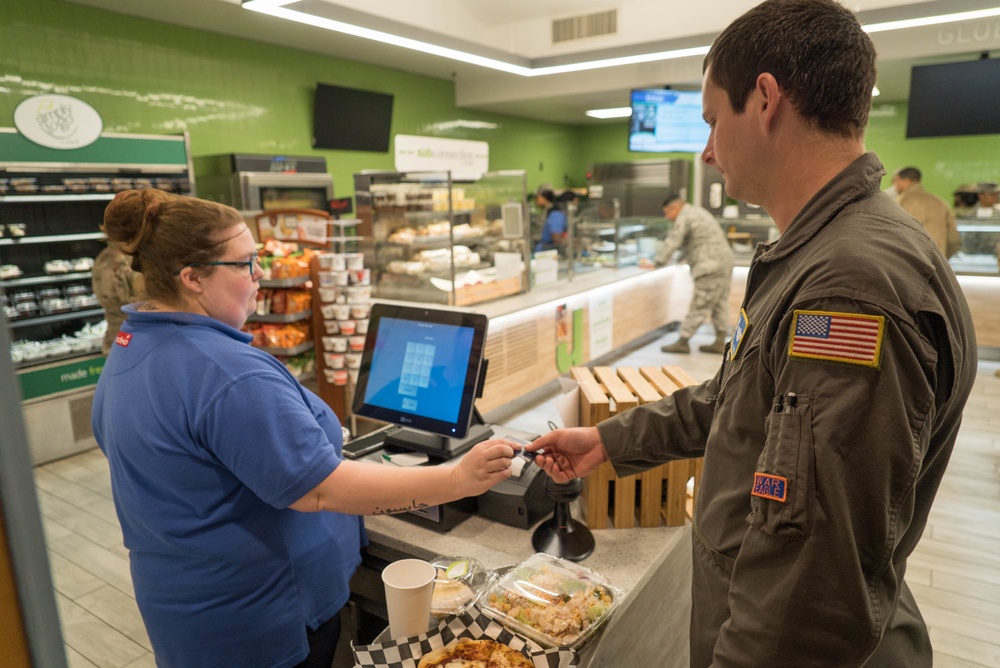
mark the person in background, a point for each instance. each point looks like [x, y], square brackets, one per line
[965, 200]
[702, 243]
[932, 211]
[239, 512]
[114, 284]
[989, 197]
[828, 427]
[554, 221]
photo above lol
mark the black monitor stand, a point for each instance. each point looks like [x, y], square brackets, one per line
[440, 447]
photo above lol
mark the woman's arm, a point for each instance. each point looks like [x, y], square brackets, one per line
[367, 488]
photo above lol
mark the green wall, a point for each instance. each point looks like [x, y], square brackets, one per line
[945, 162]
[608, 142]
[237, 96]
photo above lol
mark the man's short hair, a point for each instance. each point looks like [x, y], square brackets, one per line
[815, 49]
[671, 198]
[987, 188]
[909, 173]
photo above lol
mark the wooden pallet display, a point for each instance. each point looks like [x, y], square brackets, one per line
[604, 392]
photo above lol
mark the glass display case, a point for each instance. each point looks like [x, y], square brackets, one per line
[616, 243]
[980, 251]
[434, 240]
[744, 233]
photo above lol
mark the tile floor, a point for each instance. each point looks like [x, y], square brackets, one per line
[954, 573]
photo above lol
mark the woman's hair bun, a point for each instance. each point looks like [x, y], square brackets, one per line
[130, 217]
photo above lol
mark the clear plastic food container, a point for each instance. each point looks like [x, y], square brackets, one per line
[459, 583]
[552, 601]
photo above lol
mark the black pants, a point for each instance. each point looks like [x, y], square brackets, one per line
[322, 644]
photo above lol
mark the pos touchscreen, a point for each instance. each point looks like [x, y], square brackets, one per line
[421, 368]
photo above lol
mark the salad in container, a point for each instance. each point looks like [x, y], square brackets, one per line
[554, 602]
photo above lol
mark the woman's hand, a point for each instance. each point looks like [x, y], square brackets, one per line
[569, 453]
[483, 466]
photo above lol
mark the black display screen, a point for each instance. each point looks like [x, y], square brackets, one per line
[348, 119]
[954, 99]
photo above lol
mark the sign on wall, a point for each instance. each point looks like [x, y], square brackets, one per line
[465, 159]
[58, 121]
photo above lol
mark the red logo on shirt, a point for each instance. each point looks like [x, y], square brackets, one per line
[123, 339]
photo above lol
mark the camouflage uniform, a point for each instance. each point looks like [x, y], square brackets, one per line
[115, 285]
[703, 244]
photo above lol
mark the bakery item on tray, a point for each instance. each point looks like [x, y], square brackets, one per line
[469, 653]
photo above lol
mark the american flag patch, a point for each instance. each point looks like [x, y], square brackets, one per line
[853, 338]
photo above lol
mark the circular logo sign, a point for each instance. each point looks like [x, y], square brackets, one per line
[58, 121]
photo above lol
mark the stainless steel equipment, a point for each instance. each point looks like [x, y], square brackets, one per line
[264, 182]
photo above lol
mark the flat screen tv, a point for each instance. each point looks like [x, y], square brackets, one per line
[665, 121]
[954, 99]
[348, 119]
[422, 369]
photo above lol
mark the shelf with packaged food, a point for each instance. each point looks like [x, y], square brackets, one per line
[290, 351]
[45, 278]
[281, 317]
[294, 282]
[55, 317]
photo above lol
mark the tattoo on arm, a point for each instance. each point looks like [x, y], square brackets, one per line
[414, 505]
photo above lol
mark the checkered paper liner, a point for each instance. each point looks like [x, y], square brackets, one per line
[473, 624]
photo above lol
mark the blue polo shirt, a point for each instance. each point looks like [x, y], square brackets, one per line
[209, 440]
[555, 223]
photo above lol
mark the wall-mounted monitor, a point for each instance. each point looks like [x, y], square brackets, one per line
[422, 369]
[666, 121]
[954, 99]
[349, 119]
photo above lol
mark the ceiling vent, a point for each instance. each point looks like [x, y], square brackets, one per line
[589, 25]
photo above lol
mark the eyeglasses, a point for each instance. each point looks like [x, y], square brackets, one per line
[250, 264]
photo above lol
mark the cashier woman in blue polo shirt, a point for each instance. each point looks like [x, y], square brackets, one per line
[554, 220]
[221, 461]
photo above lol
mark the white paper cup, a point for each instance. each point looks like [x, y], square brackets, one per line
[355, 260]
[408, 587]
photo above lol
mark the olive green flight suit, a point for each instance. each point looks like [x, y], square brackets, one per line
[819, 472]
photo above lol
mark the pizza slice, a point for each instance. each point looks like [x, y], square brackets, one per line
[468, 653]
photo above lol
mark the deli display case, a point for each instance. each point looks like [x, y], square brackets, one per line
[435, 240]
[980, 250]
[616, 242]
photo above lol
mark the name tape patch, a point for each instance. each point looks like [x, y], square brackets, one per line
[768, 486]
[123, 339]
[851, 338]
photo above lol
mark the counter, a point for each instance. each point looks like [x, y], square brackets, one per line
[652, 566]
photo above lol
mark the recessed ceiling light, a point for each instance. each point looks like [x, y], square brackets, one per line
[613, 112]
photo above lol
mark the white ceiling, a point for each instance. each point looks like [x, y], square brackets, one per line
[520, 30]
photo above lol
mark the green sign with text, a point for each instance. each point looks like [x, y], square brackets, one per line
[71, 376]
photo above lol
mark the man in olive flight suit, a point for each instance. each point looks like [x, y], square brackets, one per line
[827, 430]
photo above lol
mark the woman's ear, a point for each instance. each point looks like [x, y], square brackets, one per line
[191, 280]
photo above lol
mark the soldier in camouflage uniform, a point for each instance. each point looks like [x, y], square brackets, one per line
[115, 285]
[703, 244]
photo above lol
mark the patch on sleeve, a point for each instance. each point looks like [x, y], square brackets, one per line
[739, 334]
[851, 338]
[772, 487]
